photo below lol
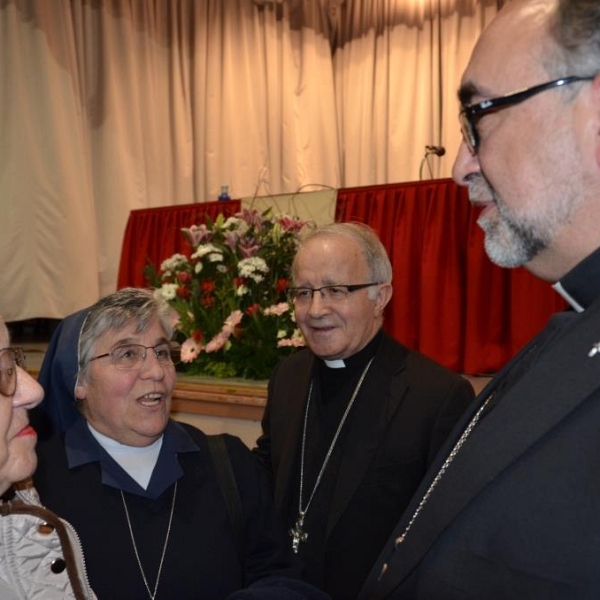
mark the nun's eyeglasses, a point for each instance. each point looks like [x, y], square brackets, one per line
[130, 357]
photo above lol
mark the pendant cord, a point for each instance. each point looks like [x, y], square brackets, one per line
[164, 550]
[302, 511]
[446, 464]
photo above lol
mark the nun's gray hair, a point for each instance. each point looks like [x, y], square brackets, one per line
[118, 310]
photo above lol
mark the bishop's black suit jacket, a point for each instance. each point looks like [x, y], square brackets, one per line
[406, 408]
[517, 512]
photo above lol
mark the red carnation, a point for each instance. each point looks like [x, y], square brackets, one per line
[281, 285]
[207, 286]
[208, 301]
[253, 309]
[184, 277]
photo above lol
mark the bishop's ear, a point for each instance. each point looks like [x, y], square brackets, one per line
[384, 295]
[80, 390]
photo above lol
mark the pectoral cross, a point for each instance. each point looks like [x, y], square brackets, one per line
[297, 533]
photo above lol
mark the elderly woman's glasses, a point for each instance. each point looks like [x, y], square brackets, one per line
[328, 293]
[469, 115]
[10, 359]
[130, 357]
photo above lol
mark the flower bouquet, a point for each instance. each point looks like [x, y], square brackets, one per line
[230, 294]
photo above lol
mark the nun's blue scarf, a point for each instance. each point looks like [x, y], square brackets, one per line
[58, 374]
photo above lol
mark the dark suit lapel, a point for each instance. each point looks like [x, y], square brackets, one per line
[561, 379]
[292, 425]
[367, 427]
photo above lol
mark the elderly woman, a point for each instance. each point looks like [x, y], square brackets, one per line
[140, 488]
[40, 556]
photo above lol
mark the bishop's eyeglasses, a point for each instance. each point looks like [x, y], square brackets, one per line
[470, 115]
[129, 357]
[328, 293]
[10, 359]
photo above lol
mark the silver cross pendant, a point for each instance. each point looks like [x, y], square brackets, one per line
[297, 533]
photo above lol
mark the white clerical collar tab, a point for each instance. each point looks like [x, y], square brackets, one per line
[561, 290]
[335, 364]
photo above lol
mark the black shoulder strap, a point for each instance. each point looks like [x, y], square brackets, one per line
[229, 489]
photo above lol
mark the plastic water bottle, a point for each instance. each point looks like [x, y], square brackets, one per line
[224, 195]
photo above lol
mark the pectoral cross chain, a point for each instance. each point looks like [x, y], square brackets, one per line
[297, 533]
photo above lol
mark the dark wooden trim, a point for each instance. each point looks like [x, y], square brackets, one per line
[231, 398]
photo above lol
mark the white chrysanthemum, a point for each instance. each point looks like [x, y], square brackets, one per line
[247, 267]
[242, 290]
[173, 262]
[222, 268]
[168, 290]
[215, 257]
[198, 268]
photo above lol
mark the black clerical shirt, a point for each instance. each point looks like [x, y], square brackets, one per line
[582, 283]
[332, 390]
[580, 287]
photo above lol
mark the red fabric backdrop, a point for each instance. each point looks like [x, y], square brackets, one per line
[449, 301]
[153, 234]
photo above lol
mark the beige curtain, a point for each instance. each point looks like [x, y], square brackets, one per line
[397, 66]
[112, 105]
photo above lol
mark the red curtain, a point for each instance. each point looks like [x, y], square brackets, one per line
[154, 234]
[450, 302]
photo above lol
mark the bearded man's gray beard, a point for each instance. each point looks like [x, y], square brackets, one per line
[513, 239]
[511, 244]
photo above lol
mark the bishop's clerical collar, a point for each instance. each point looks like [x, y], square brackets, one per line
[359, 359]
[581, 285]
[338, 363]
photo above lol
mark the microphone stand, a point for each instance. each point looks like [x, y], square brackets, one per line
[429, 150]
[424, 160]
